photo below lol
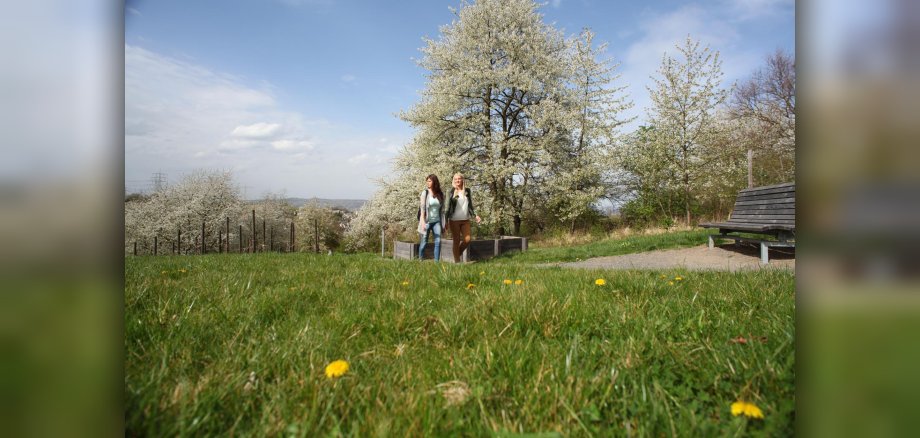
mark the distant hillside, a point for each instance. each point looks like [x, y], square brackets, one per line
[348, 204]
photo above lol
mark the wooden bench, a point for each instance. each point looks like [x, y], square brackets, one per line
[768, 210]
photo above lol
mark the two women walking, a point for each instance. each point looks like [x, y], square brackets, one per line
[456, 213]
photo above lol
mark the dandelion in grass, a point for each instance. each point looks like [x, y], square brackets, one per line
[749, 410]
[336, 369]
[470, 285]
[670, 283]
[482, 273]
[600, 282]
[663, 276]
[678, 278]
[183, 271]
[405, 282]
[507, 281]
[518, 282]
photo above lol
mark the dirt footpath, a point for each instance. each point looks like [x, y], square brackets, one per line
[727, 257]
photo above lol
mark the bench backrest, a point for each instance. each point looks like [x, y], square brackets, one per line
[773, 205]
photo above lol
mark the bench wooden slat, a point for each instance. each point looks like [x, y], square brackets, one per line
[790, 189]
[767, 196]
[762, 221]
[790, 211]
[790, 202]
[754, 189]
[790, 219]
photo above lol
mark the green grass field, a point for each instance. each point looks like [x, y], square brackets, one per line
[237, 344]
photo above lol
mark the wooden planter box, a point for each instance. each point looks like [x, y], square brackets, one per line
[478, 249]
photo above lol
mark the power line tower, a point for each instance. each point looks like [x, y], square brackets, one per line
[159, 181]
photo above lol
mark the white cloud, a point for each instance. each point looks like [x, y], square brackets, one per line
[358, 158]
[181, 116]
[292, 145]
[256, 130]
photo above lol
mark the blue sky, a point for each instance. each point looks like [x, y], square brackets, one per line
[301, 96]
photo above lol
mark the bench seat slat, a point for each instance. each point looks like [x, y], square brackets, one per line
[789, 189]
[789, 211]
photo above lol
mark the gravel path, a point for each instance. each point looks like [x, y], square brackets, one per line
[722, 258]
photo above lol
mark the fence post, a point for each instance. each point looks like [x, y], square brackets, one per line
[496, 250]
[179, 242]
[203, 249]
[135, 248]
[263, 234]
[241, 238]
[272, 245]
[155, 244]
[315, 236]
[228, 235]
[383, 243]
[523, 244]
[253, 230]
[293, 235]
[220, 241]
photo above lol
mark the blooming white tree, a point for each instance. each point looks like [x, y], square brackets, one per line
[496, 79]
[207, 197]
[579, 165]
[685, 100]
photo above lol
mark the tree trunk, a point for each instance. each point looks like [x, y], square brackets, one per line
[516, 230]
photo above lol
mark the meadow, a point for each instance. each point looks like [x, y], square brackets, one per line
[229, 344]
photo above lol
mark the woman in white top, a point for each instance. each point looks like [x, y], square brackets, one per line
[459, 211]
[431, 216]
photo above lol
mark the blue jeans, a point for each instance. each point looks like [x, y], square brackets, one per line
[434, 227]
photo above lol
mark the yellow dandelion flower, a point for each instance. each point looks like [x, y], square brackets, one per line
[336, 369]
[600, 282]
[518, 282]
[663, 277]
[670, 283]
[507, 281]
[737, 408]
[482, 273]
[749, 410]
[405, 283]
[183, 271]
[470, 286]
[678, 278]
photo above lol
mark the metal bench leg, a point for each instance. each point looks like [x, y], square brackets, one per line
[711, 241]
[764, 253]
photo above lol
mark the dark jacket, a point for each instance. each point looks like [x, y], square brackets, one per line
[452, 203]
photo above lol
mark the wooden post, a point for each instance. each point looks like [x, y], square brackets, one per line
[253, 230]
[263, 235]
[135, 248]
[155, 244]
[383, 243]
[272, 246]
[179, 242]
[315, 236]
[523, 244]
[174, 248]
[228, 235]
[220, 241]
[750, 167]
[241, 238]
[203, 249]
[293, 235]
[496, 250]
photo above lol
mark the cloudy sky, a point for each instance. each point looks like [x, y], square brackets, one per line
[301, 96]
